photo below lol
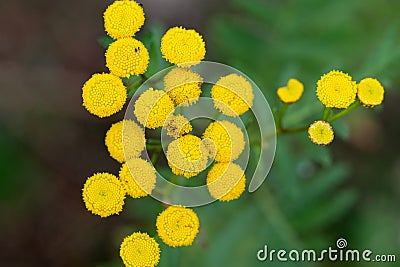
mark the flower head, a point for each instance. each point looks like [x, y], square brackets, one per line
[177, 226]
[370, 92]
[187, 156]
[103, 194]
[226, 181]
[336, 89]
[228, 139]
[292, 92]
[183, 86]
[103, 94]
[139, 250]
[125, 139]
[177, 125]
[123, 19]
[138, 177]
[321, 133]
[126, 57]
[153, 107]
[182, 47]
[233, 95]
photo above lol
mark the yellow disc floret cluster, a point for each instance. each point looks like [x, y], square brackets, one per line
[370, 92]
[226, 181]
[183, 86]
[139, 250]
[321, 133]
[292, 92]
[183, 47]
[126, 57]
[103, 194]
[153, 107]
[228, 139]
[124, 140]
[177, 226]
[232, 95]
[187, 156]
[123, 19]
[336, 89]
[177, 125]
[103, 95]
[138, 177]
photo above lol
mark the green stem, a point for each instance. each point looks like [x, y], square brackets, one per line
[152, 147]
[155, 155]
[327, 113]
[280, 117]
[294, 130]
[344, 112]
[153, 141]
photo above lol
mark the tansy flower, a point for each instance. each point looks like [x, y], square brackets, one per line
[103, 194]
[321, 133]
[125, 139]
[177, 125]
[187, 156]
[292, 92]
[228, 139]
[153, 107]
[183, 86]
[123, 19]
[126, 57]
[370, 92]
[226, 181]
[138, 177]
[177, 226]
[336, 89]
[179, 45]
[139, 250]
[232, 94]
[103, 95]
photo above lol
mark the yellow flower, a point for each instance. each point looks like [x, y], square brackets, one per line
[103, 94]
[177, 226]
[228, 140]
[226, 181]
[123, 19]
[138, 177]
[183, 86]
[125, 139]
[177, 125]
[139, 250]
[187, 156]
[336, 89]
[321, 133]
[179, 45]
[126, 57]
[103, 194]
[370, 92]
[153, 107]
[292, 92]
[233, 95]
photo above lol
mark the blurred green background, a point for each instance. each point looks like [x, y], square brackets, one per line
[314, 195]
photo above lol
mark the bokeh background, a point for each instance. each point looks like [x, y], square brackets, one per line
[49, 144]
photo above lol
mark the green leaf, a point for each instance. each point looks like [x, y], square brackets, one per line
[105, 41]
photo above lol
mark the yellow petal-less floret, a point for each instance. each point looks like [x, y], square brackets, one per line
[103, 94]
[321, 133]
[103, 194]
[370, 92]
[177, 226]
[124, 140]
[153, 107]
[177, 125]
[139, 250]
[187, 156]
[123, 19]
[336, 89]
[183, 86]
[138, 177]
[232, 95]
[292, 92]
[226, 181]
[126, 57]
[183, 47]
[228, 140]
